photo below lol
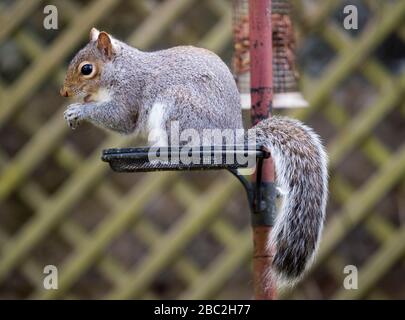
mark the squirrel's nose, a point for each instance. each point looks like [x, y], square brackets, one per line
[63, 92]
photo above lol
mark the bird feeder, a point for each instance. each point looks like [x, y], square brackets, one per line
[286, 93]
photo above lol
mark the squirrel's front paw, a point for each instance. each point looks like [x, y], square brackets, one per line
[73, 115]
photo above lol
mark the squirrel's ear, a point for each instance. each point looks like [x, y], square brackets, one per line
[94, 34]
[104, 44]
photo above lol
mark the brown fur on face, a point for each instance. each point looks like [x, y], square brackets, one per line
[97, 52]
[78, 85]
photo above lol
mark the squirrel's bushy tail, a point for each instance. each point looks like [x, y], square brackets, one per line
[301, 172]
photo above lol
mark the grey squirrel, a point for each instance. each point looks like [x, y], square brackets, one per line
[133, 92]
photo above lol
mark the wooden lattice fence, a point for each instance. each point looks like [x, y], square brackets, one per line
[177, 235]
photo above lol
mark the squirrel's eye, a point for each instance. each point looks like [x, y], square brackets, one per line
[87, 69]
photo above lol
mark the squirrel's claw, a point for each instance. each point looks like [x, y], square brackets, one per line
[73, 115]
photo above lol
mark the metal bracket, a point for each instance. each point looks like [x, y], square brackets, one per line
[261, 196]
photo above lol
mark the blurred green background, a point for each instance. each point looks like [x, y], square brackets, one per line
[187, 235]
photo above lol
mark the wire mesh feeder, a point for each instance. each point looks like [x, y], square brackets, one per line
[181, 158]
[285, 75]
[145, 159]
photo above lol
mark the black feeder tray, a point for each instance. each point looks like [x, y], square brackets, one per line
[261, 195]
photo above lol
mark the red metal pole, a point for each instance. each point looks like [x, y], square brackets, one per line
[261, 83]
